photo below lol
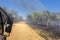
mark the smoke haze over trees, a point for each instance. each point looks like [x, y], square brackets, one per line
[47, 23]
[45, 19]
[13, 13]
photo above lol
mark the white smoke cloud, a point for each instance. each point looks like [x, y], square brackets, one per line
[28, 5]
[31, 5]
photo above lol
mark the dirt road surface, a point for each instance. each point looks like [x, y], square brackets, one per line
[22, 31]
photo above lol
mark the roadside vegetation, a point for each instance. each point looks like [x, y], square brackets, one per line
[47, 23]
[13, 13]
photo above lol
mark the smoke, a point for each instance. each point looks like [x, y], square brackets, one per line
[28, 5]
[31, 5]
[25, 6]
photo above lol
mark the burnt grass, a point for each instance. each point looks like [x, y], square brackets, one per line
[46, 32]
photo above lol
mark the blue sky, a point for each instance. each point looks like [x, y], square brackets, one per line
[52, 5]
[24, 7]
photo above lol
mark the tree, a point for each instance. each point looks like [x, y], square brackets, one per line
[12, 13]
[42, 18]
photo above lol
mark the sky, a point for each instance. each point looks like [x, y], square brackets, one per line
[24, 7]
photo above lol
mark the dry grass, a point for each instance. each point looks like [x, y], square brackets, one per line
[48, 35]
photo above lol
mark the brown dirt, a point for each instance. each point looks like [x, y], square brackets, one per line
[22, 31]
